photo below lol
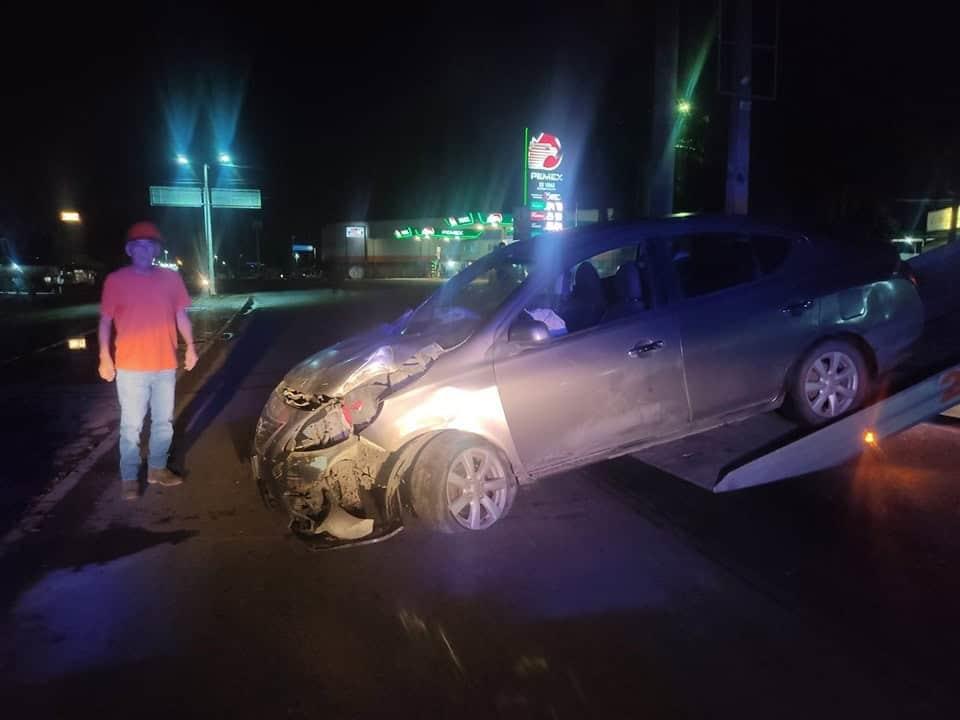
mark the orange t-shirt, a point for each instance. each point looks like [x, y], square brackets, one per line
[144, 308]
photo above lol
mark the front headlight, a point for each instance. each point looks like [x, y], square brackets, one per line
[379, 363]
[338, 418]
[328, 426]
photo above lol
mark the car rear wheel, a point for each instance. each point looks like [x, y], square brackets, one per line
[461, 482]
[831, 381]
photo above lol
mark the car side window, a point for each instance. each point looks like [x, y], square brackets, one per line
[598, 289]
[607, 263]
[708, 263]
[771, 251]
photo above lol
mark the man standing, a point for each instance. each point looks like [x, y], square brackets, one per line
[147, 304]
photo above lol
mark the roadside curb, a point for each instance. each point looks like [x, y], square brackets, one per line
[45, 503]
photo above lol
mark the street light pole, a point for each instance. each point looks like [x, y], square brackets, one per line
[208, 229]
[237, 199]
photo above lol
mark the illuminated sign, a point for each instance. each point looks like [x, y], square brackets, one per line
[544, 152]
[356, 231]
[939, 219]
[469, 226]
[543, 182]
[239, 199]
[176, 196]
[461, 234]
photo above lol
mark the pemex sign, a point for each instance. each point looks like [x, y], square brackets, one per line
[543, 181]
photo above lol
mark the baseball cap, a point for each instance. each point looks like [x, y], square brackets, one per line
[144, 231]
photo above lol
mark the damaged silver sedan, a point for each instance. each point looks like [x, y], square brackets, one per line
[571, 349]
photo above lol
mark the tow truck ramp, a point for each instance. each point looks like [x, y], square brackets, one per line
[768, 448]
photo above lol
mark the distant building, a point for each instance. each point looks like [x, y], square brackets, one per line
[423, 246]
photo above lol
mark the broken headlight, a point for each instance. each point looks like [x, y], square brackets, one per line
[328, 426]
[378, 364]
[337, 418]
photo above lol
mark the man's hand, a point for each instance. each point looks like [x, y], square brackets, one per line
[107, 371]
[190, 360]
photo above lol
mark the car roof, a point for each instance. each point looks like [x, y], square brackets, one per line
[599, 235]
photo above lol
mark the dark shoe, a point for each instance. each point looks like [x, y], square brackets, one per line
[163, 476]
[129, 489]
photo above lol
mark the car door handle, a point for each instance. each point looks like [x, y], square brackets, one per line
[641, 348]
[798, 308]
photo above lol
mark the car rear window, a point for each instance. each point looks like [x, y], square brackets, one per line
[771, 252]
[709, 263]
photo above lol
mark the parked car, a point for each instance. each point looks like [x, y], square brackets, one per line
[573, 348]
[27, 277]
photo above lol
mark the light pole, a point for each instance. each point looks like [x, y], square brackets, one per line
[208, 229]
[207, 198]
[224, 159]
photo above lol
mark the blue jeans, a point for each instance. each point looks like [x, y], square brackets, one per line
[137, 392]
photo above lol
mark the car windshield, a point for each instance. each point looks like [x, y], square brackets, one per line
[469, 298]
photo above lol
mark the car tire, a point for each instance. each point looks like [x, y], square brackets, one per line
[831, 381]
[447, 497]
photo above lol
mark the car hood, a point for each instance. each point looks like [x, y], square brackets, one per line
[377, 355]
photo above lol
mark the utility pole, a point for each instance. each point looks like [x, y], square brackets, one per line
[660, 168]
[738, 148]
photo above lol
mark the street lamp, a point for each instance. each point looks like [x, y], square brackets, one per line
[684, 107]
[69, 216]
[224, 159]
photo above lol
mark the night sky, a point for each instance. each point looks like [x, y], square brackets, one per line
[356, 113]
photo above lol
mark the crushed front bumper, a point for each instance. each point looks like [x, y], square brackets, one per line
[334, 497]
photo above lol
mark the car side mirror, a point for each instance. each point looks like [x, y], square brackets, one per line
[527, 330]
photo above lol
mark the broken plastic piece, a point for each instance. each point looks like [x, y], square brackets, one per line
[341, 524]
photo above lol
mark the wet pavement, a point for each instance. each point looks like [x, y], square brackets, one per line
[614, 591]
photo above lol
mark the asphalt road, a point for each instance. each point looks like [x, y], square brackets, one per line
[54, 408]
[614, 591]
[34, 325]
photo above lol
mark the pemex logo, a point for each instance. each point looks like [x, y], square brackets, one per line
[544, 152]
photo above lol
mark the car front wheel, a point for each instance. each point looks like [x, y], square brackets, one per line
[461, 482]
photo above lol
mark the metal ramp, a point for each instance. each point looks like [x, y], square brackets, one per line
[703, 458]
[769, 447]
[847, 438]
